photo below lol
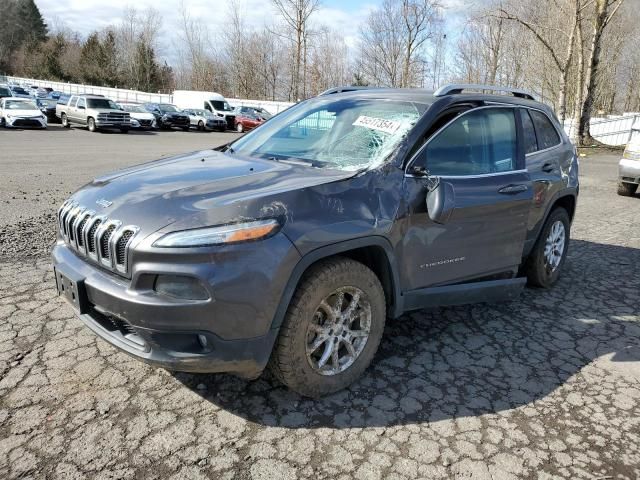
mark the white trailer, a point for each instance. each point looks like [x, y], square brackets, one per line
[212, 101]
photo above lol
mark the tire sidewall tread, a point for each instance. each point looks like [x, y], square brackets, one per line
[288, 361]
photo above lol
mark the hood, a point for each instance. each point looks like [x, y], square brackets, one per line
[197, 189]
[23, 113]
[107, 110]
[142, 116]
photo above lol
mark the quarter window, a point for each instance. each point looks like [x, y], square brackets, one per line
[476, 143]
[545, 131]
[529, 133]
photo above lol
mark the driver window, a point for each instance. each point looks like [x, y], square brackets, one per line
[80, 103]
[207, 106]
[479, 142]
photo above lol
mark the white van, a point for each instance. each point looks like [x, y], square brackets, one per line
[212, 101]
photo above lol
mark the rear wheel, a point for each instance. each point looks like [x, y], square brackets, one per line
[64, 120]
[332, 328]
[201, 125]
[91, 124]
[627, 189]
[240, 128]
[550, 251]
[124, 130]
[185, 129]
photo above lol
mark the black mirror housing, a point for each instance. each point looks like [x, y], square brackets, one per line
[441, 200]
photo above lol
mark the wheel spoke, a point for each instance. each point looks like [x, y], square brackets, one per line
[337, 308]
[358, 333]
[353, 304]
[350, 348]
[328, 350]
[328, 309]
[320, 339]
[335, 360]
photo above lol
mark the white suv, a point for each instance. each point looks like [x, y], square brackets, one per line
[629, 168]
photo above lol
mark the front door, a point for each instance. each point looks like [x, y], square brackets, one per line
[479, 155]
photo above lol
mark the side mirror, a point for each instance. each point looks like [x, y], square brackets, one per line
[441, 200]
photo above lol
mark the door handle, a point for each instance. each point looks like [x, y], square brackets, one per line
[513, 189]
[548, 167]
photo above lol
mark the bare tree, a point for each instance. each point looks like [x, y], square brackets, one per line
[545, 33]
[296, 15]
[393, 40]
[604, 12]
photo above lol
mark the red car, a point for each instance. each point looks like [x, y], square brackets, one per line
[246, 121]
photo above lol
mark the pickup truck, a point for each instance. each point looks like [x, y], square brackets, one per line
[94, 111]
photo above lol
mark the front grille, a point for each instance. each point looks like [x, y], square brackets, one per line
[145, 123]
[26, 122]
[91, 236]
[96, 237]
[115, 117]
[104, 242]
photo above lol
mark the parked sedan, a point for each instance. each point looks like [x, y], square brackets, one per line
[168, 116]
[247, 121]
[205, 120]
[629, 169]
[256, 111]
[5, 92]
[19, 92]
[140, 117]
[20, 112]
[48, 107]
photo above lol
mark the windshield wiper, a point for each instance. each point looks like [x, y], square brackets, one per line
[292, 161]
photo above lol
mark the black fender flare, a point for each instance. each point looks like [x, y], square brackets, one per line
[336, 249]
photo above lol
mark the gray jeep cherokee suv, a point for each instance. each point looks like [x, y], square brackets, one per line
[292, 245]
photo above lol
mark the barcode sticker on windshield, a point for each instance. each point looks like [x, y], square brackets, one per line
[389, 126]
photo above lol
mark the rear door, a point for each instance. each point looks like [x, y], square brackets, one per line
[480, 155]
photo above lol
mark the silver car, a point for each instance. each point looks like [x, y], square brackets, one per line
[629, 168]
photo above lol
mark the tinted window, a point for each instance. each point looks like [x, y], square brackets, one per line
[529, 133]
[477, 143]
[546, 133]
[101, 103]
[5, 92]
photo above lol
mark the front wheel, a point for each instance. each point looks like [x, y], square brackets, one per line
[91, 124]
[332, 328]
[627, 189]
[124, 130]
[240, 128]
[185, 129]
[201, 126]
[550, 251]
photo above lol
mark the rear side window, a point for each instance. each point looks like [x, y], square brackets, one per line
[476, 143]
[545, 131]
[529, 133]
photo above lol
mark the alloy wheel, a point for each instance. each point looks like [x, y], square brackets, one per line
[338, 331]
[554, 246]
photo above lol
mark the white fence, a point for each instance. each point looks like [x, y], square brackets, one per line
[135, 96]
[612, 130]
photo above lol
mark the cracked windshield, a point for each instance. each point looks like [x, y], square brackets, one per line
[341, 134]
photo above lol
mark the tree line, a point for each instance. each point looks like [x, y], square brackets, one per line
[580, 56]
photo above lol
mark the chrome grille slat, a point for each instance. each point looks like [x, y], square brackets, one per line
[98, 238]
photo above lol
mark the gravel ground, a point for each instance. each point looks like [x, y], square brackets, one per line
[39, 169]
[544, 387]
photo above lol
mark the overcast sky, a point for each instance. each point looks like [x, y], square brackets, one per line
[85, 16]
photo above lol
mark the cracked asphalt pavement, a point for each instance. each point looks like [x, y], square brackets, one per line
[544, 387]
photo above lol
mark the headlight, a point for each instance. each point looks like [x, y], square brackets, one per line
[201, 237]
[631, 154]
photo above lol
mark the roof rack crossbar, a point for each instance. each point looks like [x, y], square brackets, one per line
[458, 88]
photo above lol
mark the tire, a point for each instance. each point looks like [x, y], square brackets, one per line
[3, 122]
[540, 270]
[292, 364]
[124, 130]
[201, 126]
[91, 124]
[65, 121]
[627, 189]
[186, 129]
[239, 128]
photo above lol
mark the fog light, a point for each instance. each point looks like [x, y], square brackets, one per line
[179, 286]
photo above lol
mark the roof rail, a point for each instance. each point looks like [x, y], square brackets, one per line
[457, 88]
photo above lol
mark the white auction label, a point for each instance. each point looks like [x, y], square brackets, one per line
[389, 126]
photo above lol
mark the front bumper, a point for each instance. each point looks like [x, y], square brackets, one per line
[21, 122]
[629, 171]
[111, 124]
[230, 332]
